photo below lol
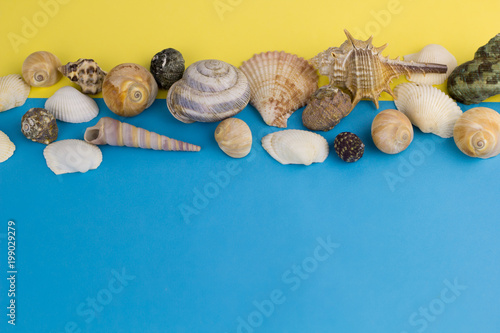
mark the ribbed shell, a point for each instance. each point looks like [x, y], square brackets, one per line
[296, 147]
[234, 137]
[6, 147]
[392, 131]
[86, 73]
[13, 91]
[428, 108]
[280, 83]
[477, 132]
[432, 53]
[326, 108]
[68, 156]
[40, 69]
[209, 91]
[39, 125]
[69, 105]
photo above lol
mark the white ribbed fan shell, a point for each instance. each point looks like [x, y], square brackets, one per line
[70, 105]
[13, 91]
[68, 156]
[6, 147]
[432, 53]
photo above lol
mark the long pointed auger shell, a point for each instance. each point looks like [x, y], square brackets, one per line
[115, 133]
[359, 68]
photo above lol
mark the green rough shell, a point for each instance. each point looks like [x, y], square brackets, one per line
[478, 79]
[349, 147]
[326, 108]
[39, 125]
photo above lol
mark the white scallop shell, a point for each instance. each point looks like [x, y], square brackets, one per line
[296, 147]
[432, 53]
[70, 105]
[6, 147]
[67, 156]
[13, 91]
[428, 108]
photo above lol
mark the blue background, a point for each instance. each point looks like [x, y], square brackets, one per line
[404, 225]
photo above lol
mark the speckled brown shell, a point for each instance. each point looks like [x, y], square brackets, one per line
[39, 125]
[326, 108]
[86, 73]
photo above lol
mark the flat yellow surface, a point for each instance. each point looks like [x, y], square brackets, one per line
[114, 32]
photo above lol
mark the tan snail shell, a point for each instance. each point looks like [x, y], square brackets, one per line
[392, 131]
[234, 137]
[477, 132]
[40, 69]
[129, 89]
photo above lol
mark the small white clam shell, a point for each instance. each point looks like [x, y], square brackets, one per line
[69, 105]
[296, 147]
[68, 156]
[428, 108]
[13, 91]
[432, 53]
[6, 147]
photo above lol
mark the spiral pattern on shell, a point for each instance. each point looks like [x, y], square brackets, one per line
[392, 131]
[40, 69]
[209, 91]
[129, 89]
[477, 132]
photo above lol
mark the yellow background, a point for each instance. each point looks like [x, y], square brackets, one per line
[114, 32]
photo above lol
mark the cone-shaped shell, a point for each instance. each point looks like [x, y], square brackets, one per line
[39, 125]
[432, 53]
[209, 91]
[69, 105]
[86, 73]
[109, 131]
[40, 69]
[326, 108]
[68, 156]
[428, 108]
[392, 131]
[6, 147]
[129, 89]
[296, 147]
[234, 137]
[477, 132]
[13, 91]
[280, 83]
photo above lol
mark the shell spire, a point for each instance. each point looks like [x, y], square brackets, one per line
[115, 133]
[359, 68]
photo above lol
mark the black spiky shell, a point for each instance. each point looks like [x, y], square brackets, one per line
[349, 147]
[167, 67]
[39, 125]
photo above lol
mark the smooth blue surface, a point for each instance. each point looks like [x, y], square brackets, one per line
[404, 226]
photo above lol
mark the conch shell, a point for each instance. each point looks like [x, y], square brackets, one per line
[477, 132]
[476, 80]
[359, 68]
[40, 69]
[209, 91]
[234, 137]
[326, 108]
[280, 83]
[115, 133]
[13, 91]
[86, 73]
[129, 89]
[392, 131]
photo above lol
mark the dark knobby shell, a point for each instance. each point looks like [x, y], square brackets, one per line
[349, 147]
[326, 108]
[476, 80]
[86, 73]
[167, 67]
[39, 125]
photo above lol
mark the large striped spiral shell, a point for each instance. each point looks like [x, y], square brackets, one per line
[129, 89]
[40, 69]
[209, 91]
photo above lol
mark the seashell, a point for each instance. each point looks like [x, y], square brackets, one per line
[296, 147]
[6, 147]
[432, 53]
[392, 131]
[69, 105]
[39, 125]
[167, 67]
[280, 83]
[477, 132]
[209, 91]
[68, 156]
[234, 137]
[326, 108]
[428, 108]
[129, 89]
[40, 69]
[115, 133]
[13, 91]
[359, 68]
[86, 73]
[476, 80]
[349, 147]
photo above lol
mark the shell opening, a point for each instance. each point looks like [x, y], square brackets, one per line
[91, 134]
